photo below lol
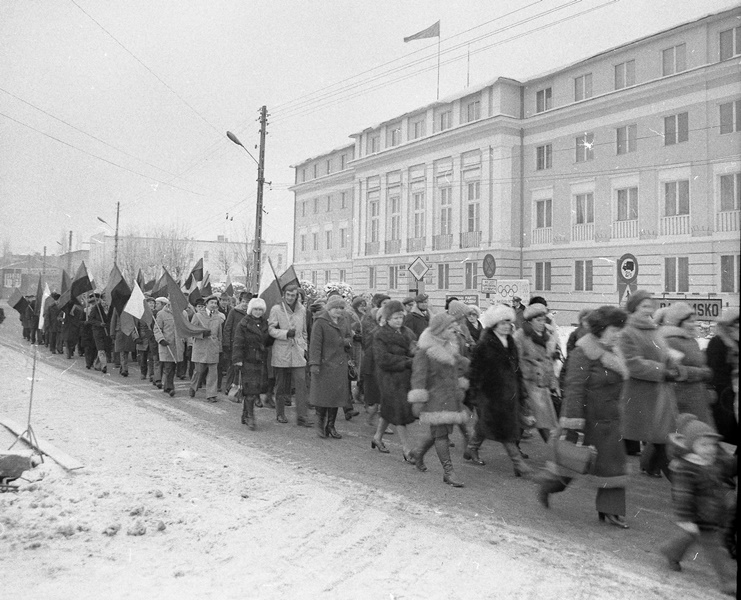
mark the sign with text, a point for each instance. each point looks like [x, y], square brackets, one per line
[465, 298]
[506, 289]
[706, 309]
[488, 286]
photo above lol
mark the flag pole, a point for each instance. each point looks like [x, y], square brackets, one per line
[154, 321]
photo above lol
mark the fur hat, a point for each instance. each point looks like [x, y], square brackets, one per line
[378, 298]
[162, 299]
[439, 323]
[392, 307]
[256, 303]
[535, 310]
[676, 313]
[335, 301]
[690, 428]
[358, 300]
[457, 309]
[632, 304]
[497, 313]
[421, 298]
[408, 300]
[660, 315]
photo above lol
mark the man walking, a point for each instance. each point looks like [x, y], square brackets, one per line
[418, 318]
[206, 348]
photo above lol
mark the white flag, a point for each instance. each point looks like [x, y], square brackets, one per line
[135, 305]
[44, 297]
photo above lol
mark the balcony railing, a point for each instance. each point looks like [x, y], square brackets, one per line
[728, 220]
[443, 241]
[392, 246]
[676, 225]
[542, 235]
[372, 248]
[416, 244]
[625, 229]
[582, 232]
[470, 239]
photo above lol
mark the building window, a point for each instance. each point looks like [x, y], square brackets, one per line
[371, 278]
[419, 214]
[543, 100]
[374, 143]
[583, 276]
[343, 162]
[729, 271]
[328, 235]
[473, 193]
[473, 111]
[373, 211]
[343, 275]
[446, 210]
[343, 200]
[316, 171]
[730, 43]
[303, 242]
[313, 277]
[444, 120]
[329, 203]
[677, 274]
[544, 157]
[626, 139]
[472, 276]
[584, 147]
[674, 60]
[343, 236]
[583, 87]
[584, 208]
[315, 241]
[676, 198]
[393, 277]
[303, 175]
[543, 214]
[417, 129]
[327, 276]
[303, 208]
[730, 192]
[627, 204]
[443, 276]
[393, 136]
[625, 74]
[329, 166]
[543, 276]
[730, 117]
[316, 205]
[676, 129]
[395, 217]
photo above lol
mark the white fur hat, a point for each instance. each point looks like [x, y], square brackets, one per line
[255, 303]
[496, 313]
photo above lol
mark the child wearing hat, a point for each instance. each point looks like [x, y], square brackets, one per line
[701, 495]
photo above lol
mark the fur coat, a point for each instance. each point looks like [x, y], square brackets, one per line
[392, 355]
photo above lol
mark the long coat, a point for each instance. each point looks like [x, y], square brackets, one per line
[436, 385]
[539, 376]
[328, 351]
[591, 403]
[165, 330]
[249, 349]
[496, 378]
[288, 352]
[121, 341]
[73, 319]
[417, 322]
[233, 319]
[647, 357]
[692, 393]
[207, 349]
[371, 391]
[393, 351]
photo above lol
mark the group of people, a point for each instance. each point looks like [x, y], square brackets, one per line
[631, 381]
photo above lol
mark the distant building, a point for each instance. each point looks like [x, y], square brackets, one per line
[23, 271]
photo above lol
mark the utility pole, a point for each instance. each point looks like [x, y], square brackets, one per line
[43, 264]
[69, 255]
[258, 216]
[115, 239]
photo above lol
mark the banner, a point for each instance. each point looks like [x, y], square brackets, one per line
[179, 304]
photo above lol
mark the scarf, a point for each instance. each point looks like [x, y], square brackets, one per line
[540, 339]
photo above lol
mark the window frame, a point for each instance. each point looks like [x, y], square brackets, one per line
[584, 147]
[677, 62]
[626, 71]
[544, 157]
[673, 190]
[471, 276]
[627, 142]
[543, 100]
[443, 276]
[676, 274]
[584, 208]
[735, 39]
[543, 272]
[629, 200]
[582, 87]
[729, 272]
[302, 238]
[328, 239]
[419, 214]
[544, 215]
[584, 275]
[735, 192]
[676, 128]
[733, 109]
[445, 209]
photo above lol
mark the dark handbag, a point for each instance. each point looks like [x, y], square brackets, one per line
[572, 456]
[352, 370]
[235, 390]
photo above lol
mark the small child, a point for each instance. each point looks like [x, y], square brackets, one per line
[701, 495]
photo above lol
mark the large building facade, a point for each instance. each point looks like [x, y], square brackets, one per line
[635, 151]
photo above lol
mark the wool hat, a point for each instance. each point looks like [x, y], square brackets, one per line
[392, 307]
[533, 311]
[676, 313]
[256, 303]
[660, 316]
[439, 323]
[421, 298]
[318, 305]
[378, 298]
[358, 301]
[408, 300]
[497, 313]
[538, 300]
[211, 297]
[635, 299]
[199, 302]
[516, 299]
[690, 428]
[162, 299]
[336, 302]
[457, 309]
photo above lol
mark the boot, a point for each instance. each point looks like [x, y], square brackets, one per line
[675, 548]
[518, 464]
[550, 484]
[472, 454]
[331, 417]
[418, 454]
[321, 421]
[269, 402]
[442, 446]
[248, 412]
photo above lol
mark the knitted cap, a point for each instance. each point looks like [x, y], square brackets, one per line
[691, 429]
[421, 298]
[632, 304]
[392, 307]
[457, 309]
[439, 323]
[676, 313]
[335, 302]
[534, 310]
[497, 313]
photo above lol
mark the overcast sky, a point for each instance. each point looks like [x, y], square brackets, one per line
[104, 102]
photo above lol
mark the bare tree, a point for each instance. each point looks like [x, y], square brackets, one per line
[243, 249]
[173, 247]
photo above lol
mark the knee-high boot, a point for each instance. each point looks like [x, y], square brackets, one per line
[551, 484]
[418, 454]
[248, 412]
[321, 421]
[442, 447]
[331, 417]
[517, 463]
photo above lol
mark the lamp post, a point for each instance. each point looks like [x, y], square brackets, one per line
[115, 239]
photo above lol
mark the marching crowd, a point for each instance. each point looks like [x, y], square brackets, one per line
[630, 382]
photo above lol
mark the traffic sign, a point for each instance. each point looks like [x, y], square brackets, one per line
[488, 286]
[706, 309]
[419, 268]
[490, 266]
[627, 268]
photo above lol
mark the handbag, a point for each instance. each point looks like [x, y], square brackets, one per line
[352, 370]
[572, 456]
[235, 390]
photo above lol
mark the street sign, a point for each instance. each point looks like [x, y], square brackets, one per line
[488, 286]
[706, 309]
[490, 266]
[627, 268]
[625, 290]
[465, 298]
[419, 268]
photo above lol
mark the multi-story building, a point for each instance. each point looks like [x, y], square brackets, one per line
[634, 150]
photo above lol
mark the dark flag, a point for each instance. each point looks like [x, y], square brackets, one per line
[188, 282]
[117, 291]
[194, 294]
[81, 282]
[179, 304]
[149, 286]
[65, 281]
[206, 286]
[160, 287]
[17, 301]
[140, 279]
[229, 289]
[196, 272]
[39, 296]
[274, 292]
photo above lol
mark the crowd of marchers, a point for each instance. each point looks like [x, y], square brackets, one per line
[628, 382]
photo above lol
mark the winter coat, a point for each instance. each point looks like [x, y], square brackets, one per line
[371, 391]
[288, 352]
[370, 326]
[644, 401]
[96, 316]
[146, 336]
[233, 319]
[55, 325]
[207, 349]
[722, 356]
[591, 403]
[496, 378]
[249, 349]
[475, 331]
[692, 393]
[73, 319]
[536, 362]
[393, 350]
[416, 321]
[329, 352]
[165, 330]
[122, 342]
[356, 327]
[437, 386]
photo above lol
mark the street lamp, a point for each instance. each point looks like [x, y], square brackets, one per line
[115, 239]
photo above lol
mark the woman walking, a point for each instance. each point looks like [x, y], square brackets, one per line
[593, 387]
[328, 355]
[393, 350]
[722, 353]
[249, 355]
[437, 391]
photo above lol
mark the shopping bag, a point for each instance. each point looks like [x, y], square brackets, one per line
[235, 390]
[572, 456]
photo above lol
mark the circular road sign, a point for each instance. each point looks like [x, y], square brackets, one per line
[628, 268]
[490, 266]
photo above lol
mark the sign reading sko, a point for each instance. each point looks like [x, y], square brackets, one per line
[706, 309]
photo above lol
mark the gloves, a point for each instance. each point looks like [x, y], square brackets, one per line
[164, 343]
[314, 369]
[206, 334]
[291, 333]
[237, 364]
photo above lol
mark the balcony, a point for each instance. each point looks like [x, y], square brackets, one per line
[728, 220]
[676, 225]
[583, 232]
[625, 229]
[443, 241]
[542, 235]
[392, 246]
[372, 248]
[470, 239]
[416, 244]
